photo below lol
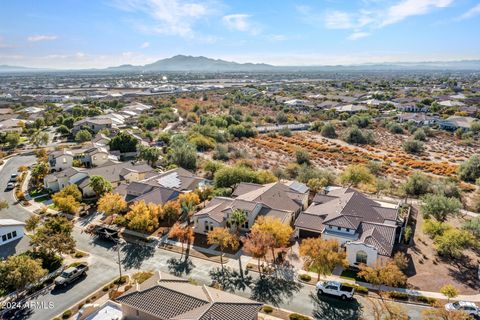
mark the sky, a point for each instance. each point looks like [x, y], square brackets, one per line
[100, 33]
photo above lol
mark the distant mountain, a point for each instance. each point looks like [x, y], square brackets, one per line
[7, 68]
[183, 63]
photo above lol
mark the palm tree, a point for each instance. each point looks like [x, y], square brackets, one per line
[237, 219]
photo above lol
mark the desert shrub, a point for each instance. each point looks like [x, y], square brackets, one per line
[328, 131]
[397, 295]
[67, 314]
[356, 136]
[305, 277]
[395, 128]
[430, 301]
[420, 135]
[470, 169]
[413, 146]
[297, 316]
[267, 309]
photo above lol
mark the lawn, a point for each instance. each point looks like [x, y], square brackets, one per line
[350, 274]
[42, 198]
[37, 192]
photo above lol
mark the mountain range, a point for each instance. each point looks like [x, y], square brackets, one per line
[183, 63]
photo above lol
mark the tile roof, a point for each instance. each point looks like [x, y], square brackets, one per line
[167, 297]
[346, 208]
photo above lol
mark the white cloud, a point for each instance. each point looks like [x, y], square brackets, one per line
[145, 45]
[475, 11]
[41, 37]
[278, 37]
[407, 8]
[363, 22]
[172, 17]
[358, 35]
[240, 22]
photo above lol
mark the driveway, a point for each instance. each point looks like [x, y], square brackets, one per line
[104, 268]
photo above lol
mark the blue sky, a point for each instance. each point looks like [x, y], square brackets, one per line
[100, 33]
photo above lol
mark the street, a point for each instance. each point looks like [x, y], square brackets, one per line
[103, 268]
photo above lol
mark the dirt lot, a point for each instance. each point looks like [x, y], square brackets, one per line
[429, 272]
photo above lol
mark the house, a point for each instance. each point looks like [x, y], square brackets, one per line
[10, 230]
[453, 123]
[13, 124]
[296, 103]
[160, 188]
[282, 200]
[166, 297]
[350, 108]
[420, 119]
[114, 172]
[451, 103]
[60, 160]
[95, 156]
[92, 124]
[366, 228]
[413, 108]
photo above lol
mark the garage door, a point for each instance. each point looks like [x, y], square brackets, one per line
[308, 234]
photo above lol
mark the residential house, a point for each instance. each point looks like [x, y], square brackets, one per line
[13, 124]
[420, 119]
[453, 123]
[161, 188]
[10, 230]
[60, 160]
[413, 108]
[92, 124]
[12, 238]
[166, 297]
[350, 108]
[367, 229]
[282, 200]
[451, 103]
[114, 172]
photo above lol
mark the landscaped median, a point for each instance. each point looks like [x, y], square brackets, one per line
[369, 290]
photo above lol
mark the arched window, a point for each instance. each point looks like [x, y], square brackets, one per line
[361, 257]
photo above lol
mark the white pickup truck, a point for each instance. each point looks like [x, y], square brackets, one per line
[335, 288]
[70, 274]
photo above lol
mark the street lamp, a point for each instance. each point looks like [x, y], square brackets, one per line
[120, 243]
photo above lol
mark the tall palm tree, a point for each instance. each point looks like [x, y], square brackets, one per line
[236, 219]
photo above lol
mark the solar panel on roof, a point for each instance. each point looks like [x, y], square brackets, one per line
[170, 181]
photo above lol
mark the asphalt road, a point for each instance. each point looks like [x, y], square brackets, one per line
[104, 268]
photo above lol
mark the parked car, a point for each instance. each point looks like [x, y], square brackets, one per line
[335, 288]
[469, 308]
[70, 274]
[13, 177]
[10, 185]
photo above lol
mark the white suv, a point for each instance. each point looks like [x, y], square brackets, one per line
[469, 308]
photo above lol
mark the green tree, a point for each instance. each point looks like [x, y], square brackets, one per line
[439, 206]
[229, 177]
[83, 136]
[449, 291]
[470, 170]
[237, 219]
[328, 131]
[150, 154]
[183, 153]
[100, 185]
[354, 175]
[39, 138]
[38, 173]
[12, 139]
[322, 255]
[124, 142]
[417, 184]
[54, 236]
[453, 242]
[223, 239]
[16, 272]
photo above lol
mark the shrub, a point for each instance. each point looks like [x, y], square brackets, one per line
[430, 301]
[297, 316]
[67, 314]
[357, 136]
[305, 277]
[121, 280]
[105, 289]
[267, 309]
[413, 146]
[328, 131]
[79, 255]
[361, 289]
[397, 295]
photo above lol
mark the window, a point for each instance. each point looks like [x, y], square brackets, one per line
[361, 257]
[9, 236]
[339, 228]
[348, 230]
[64, 160]
[14, 233]
[245, 225]
[4, 237]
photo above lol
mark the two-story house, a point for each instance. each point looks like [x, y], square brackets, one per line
[60, 160]
[367, 229]
[282, 200]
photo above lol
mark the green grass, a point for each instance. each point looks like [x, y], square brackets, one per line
[37, 192]
[42, 198]
[351, 275]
